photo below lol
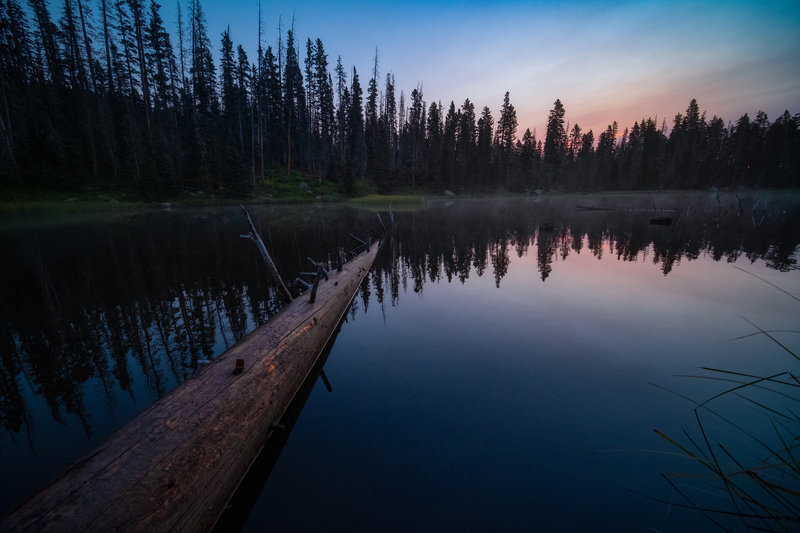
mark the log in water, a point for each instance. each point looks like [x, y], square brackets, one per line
[175, 466]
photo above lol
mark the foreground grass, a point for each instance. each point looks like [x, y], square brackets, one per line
[755, 476]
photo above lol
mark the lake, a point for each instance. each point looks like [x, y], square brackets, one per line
[504, 365]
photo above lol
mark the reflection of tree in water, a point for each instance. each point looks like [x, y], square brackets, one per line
[469, 237]
[132, 304]
[498, 252]
[15, 416]
[126, 304]
[546, 247]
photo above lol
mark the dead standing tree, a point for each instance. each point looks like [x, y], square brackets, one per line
[256, 238]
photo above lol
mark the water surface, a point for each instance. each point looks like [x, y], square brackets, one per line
[497, 369]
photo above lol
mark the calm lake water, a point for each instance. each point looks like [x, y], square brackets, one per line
[503, 367]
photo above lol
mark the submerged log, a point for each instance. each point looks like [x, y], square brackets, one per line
[175, 466]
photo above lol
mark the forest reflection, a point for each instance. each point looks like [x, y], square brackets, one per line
[146, 298]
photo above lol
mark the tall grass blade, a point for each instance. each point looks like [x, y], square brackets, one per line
[764, 490]
[787, 293]
[746, 384]
[773, 339]
[768, 331]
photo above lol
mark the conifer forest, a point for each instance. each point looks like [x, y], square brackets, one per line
[104, 93]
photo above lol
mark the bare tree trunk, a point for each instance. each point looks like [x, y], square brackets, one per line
[88, 47]
[137, 30]
[108, 48]
[252, 151]
[256, 238]
[289, 144]
[7, 137]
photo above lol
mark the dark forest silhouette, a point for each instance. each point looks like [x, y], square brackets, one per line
[103, 95]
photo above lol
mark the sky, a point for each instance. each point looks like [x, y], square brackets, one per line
[606, 61]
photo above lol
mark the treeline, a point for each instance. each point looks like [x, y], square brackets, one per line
[104, 94]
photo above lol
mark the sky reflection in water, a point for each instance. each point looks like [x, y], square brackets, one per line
[524, 407]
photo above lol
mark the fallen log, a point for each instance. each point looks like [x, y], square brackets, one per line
[174, 467]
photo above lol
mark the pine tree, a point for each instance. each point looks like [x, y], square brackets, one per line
[385, 137]
[342, 110]
[242, 100]
[585, 163]
[73, 60]
[604, 158]
[107, 45]
[312, 92]
[526, 157]
[371, 132]
[654, 144]
[714, 163]
[48, 34]
[182, 52]
[294, 102]
[16, 72]
[137, 14]
[433, 146]
[78, 101]
[162, 73]
[483, 148]
[505, 139]
[272, 108]
[402, 131]
[416, 133]
[465, 143]
[574, 145]
[390, 117]
[326, 109]
[451, 122]
[83, 15]
[555, 143]
[355, 119]
[227, 84]
[782, 151]
[161, 56]
[231, 136]
[203, 71]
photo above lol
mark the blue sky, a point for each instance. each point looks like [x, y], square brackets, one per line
[605, 60]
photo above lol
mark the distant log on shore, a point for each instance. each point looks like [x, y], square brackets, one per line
[632, 209]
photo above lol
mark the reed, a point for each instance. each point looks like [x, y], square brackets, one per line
[751, 480]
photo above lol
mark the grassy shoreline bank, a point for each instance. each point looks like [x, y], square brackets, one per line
[276, 190]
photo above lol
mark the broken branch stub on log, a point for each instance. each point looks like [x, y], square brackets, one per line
[256, 238]
[319, 266]
[313, 297]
